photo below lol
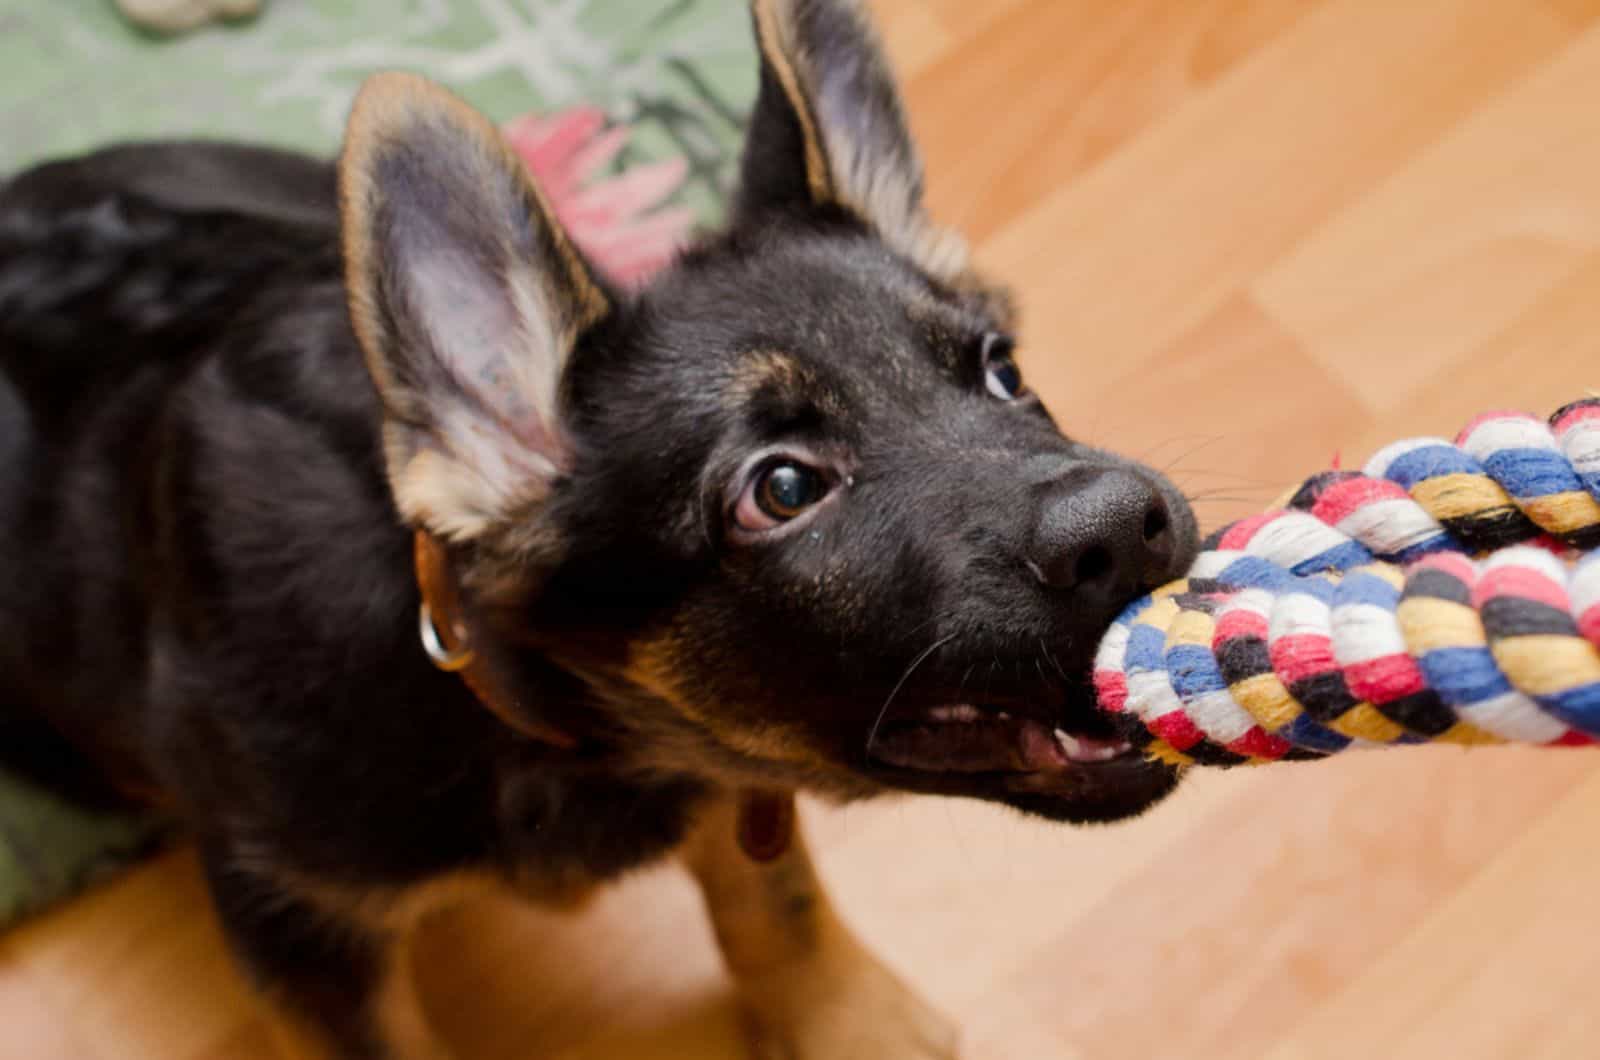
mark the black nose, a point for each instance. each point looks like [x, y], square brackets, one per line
[1104, 532]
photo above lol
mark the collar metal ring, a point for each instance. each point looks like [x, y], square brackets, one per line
[442, 657]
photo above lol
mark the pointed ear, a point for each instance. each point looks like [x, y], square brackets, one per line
[829, 129]
[467, 299]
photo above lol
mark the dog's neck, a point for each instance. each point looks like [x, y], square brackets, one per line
[766, 819]
[452, 642]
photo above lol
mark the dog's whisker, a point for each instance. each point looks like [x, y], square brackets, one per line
[1051, 658]
[1148, 453]
[872, 734]
[1204, 443]
[1213, 473]
[1231, 487]
[934, 619]
[962, 686]
[1223, 499]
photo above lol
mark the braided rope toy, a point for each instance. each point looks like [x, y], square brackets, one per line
[1448, 593]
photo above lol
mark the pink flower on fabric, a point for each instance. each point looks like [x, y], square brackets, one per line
[619, 221]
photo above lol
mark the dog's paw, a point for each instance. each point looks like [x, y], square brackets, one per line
[844, 1006]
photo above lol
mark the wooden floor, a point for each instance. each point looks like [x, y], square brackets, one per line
[1247, 235]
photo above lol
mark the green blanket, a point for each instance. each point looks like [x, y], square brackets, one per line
[680, 73]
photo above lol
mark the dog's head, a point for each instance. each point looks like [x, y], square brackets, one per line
[790, 515]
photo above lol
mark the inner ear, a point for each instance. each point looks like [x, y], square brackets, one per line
[467, 298]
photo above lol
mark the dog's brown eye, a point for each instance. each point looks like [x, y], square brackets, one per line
[787, 489]
[779, 492]
[1001, 376]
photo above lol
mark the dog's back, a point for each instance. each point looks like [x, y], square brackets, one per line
[113, 269]
[186, 424]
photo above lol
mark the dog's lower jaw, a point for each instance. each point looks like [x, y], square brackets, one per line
[1098, 802]
[809, 989]
[1102, 793]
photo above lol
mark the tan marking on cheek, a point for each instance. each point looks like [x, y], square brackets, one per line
[651, 666]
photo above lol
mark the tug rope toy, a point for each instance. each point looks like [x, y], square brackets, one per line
[1450, 593]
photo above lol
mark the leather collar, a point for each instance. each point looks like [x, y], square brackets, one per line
[447, 635]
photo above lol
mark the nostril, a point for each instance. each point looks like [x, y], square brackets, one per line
[1094, 563]
[1155, 523]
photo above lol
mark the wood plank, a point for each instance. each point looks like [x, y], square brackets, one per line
[1392, 292]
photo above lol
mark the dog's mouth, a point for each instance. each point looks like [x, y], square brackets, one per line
[1056, 728]
[1063, 758]
[977, 738]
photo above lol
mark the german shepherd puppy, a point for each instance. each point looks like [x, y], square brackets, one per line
[787, 519]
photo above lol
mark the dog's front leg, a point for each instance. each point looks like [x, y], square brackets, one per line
[337, 988]
[809, 987]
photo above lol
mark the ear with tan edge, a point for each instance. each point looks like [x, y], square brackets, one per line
[467, 299]
[829, 129]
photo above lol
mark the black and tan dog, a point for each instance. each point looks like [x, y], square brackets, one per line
[788, 519]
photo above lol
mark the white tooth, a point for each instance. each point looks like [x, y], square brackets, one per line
[1069, 744]
[1003, 716]
[1079, 751]
[955, 712]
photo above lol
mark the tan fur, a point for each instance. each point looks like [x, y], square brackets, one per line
[390, 918]
[398, 1017]
[294, 1039]
[767, 368]
[762, 369]
[652, 666]
[401, 1018]
[812, 991]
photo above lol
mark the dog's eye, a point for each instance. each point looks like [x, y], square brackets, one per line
[786, 489]
[1001, 376]
[778, 492]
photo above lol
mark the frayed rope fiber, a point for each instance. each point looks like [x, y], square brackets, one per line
[1447, 593]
